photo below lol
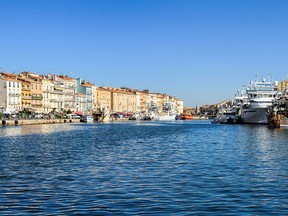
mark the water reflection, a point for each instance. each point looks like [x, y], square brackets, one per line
[36, 129]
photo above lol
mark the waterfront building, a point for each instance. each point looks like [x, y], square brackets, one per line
[143, 100]
[103, 98]
[123, 100]
[179, 106]
[56, 93]
[160, 100]
[59, 93]
[138, 100]
[69, 90]
[10, 90]
[86, 88]
[46, 87]
[26, 97]
[283, 85]
[80, 102]
[36, 90]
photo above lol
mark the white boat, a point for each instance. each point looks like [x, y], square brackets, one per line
[102, 115]
[227, 116]
[168, 113]
[260, 95]
[89, 119]
[151, 112]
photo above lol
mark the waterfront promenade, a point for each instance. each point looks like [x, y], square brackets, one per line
[15, 122]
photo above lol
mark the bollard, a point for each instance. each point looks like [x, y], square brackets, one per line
[16, 122]
[3, 122]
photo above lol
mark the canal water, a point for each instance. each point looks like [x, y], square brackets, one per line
[137, 168]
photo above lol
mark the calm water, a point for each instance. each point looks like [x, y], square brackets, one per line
[179, 168]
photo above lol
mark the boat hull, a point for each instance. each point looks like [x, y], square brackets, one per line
[165, 118]
[254, 116]
[284, 123]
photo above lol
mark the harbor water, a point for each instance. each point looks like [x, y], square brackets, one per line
[137, 168]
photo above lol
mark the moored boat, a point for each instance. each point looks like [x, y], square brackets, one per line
[168, 113]
[260, 95]
[185, 116]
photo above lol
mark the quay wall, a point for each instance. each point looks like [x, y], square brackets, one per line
[16, 122]
[200, 117]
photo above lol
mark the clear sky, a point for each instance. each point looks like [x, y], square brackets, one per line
[201, 51]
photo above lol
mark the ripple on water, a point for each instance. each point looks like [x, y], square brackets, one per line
[137, 168]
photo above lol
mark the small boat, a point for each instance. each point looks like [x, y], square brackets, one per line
[89, 119]
[185, 116]
[226, 116]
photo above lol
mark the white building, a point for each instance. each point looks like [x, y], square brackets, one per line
[10, 90]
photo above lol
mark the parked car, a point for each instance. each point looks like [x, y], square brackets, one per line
[73, 116]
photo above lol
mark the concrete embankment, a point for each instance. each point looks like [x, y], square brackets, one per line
[199, 117]
[16, 122]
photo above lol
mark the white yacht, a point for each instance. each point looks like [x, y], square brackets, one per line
[260, 95]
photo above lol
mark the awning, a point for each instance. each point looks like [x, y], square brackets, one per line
[79, 113]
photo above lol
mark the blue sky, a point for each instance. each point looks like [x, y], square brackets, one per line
[201, 51]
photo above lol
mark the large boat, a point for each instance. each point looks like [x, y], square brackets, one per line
[168, 113]
[260, 95]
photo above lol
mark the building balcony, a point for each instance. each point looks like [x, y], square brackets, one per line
[14, 94]
[56, 92]
[26, 97]
[38, 97]
[69, 93]
[37, 105]
[14, 103]
[26, 88]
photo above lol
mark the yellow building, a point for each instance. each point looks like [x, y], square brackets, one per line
[143, 100]
[36, 90]
[123, 100]
[26, 96]
[103, 98]
[283, 85]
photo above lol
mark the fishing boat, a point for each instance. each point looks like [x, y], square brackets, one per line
[168, 113]
[151, 112]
